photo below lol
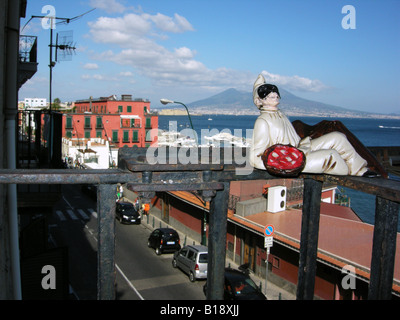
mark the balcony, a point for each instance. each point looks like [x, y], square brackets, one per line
[210, 175]
[27, 64]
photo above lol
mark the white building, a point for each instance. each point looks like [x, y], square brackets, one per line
[35, 103]
[93, 153]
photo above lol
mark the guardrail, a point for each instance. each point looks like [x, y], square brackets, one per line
[211, 176]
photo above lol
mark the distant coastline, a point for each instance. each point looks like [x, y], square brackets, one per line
[179, 112]
[235, 102]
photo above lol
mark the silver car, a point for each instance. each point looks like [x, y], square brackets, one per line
[192, 260]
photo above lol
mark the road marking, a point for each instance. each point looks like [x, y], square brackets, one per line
[154, 282]
[83, 214]
[93, 213]
[68, 203]
[129, 283]
[123, 275]
[60, 215]
[72, 215]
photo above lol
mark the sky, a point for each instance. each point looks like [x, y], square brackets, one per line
[343, 53]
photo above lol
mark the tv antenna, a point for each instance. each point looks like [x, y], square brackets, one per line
[64, 46]
[64, 49]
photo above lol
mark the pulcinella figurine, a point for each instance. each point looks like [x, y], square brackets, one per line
[286, 149]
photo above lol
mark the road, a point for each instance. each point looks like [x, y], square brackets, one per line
[140, 273]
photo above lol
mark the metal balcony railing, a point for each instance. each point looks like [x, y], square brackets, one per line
[211, 175]
[27, 64]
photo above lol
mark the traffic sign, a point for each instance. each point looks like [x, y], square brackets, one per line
[269, 230]
[268, 241]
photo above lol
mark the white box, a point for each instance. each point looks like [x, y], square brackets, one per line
[276, 199]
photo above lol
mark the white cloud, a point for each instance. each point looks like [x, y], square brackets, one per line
[98, 76]
[109, 6]
[132, 39]
[295, 82]
[177, 24]
[126, 74]
[91, 66]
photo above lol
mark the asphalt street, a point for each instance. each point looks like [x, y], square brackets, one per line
[140, 273]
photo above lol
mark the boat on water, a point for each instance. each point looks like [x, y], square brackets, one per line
[176, 139]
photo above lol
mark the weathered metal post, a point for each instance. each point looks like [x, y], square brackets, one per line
[106, 241]
[383, 249]
[217, 244]
[309, 239]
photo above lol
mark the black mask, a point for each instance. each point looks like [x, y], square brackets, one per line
[266, 89]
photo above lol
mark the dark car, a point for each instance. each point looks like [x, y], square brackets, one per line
[239, 286]
[126, 213]
[164, 240]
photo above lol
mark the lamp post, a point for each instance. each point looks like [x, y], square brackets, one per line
[166, 101]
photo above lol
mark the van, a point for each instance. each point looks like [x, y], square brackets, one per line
[192, 260]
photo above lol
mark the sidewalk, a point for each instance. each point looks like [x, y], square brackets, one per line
[274, 292]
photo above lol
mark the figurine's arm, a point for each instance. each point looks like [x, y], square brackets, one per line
[261, 141]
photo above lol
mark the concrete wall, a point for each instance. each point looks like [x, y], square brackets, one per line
[252, 206]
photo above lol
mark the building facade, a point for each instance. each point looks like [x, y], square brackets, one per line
[122, 122]
[35, 103]
[188, 213]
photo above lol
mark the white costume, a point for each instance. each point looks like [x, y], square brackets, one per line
[331, 153]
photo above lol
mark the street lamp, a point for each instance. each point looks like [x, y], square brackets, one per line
[166, 101]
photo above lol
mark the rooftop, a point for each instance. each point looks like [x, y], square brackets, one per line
[343, 237]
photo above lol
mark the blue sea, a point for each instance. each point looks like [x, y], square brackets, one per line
[371, 132]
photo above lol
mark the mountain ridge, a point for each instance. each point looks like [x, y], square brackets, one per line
[233, 101]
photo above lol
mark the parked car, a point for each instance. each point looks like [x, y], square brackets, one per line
[192, 260]
[164, 240]
[126, 213]
[239, 286]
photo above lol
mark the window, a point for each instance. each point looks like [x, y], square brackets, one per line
[145, 109]
[119, 108]
[135, 123]
[275, 262]
[125, 136]
[98, 134]
[148, 122]
[135, 136]
[125, 123]
[129, 109]
[87, 123]
[87, 134]
[99, 122]
[115, 136]
[68, 134]
[68, 124]
[191, 255]
[183, 252]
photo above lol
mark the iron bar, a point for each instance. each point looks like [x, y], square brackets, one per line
[214, 178]
[385, 188]
[309, 239]
[217, 244]
[106, 242]
[384, 249]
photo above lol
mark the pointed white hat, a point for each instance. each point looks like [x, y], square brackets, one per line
[259, 82]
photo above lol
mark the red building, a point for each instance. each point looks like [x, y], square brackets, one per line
[344, 240]
[124, 122]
